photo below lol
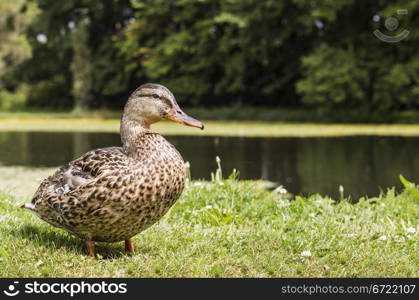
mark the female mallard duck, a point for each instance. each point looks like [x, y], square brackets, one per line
[112, 194]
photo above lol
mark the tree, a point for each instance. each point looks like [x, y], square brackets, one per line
[349, 67]
[15, 16]
[218, 52]
[299, 53]
[81, 65]
[77, 64]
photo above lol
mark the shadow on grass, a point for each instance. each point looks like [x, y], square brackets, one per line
[56, 240]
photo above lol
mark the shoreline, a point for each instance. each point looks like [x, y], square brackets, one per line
[213, 128]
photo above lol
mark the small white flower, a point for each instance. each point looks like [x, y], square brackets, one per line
[208, 206]
[306, 253]
[283, 203]
[341, 189]
[411, 230]
[280, 190]
[8, 200]
[326, 267]
[120, 273]
[382, 238]
[350, 235]
[198, 183]
[39, 263]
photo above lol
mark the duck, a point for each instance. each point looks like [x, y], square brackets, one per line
[112, 194]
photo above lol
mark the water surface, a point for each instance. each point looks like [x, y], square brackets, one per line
[362, 164]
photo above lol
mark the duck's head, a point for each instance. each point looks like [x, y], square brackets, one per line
[152, 102]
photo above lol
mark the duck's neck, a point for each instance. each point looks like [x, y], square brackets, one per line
[131, 132]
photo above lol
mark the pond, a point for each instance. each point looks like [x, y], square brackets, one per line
[361, 164]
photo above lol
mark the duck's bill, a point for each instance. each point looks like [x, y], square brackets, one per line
[180, 117]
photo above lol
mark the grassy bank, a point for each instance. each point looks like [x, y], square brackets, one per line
[229, 228]
[212, 128]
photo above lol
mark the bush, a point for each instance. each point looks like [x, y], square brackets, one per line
[13, 100]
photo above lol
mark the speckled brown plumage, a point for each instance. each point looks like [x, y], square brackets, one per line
[112, 194]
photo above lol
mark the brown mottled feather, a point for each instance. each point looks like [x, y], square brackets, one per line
[107, 195]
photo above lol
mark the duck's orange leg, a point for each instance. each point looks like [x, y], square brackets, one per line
[129, 247]
[90, 247]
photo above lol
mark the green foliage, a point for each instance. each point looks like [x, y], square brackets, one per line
[294, 53]
[410, 187]
[350, 67]
[78, 65]
[332, 76]
[215, 52]
[50, 93]
[325, 10]
[11, 101]
[15, 16]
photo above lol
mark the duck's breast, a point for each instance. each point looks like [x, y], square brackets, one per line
[145, 192]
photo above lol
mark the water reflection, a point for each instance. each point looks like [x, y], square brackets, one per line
[304, 165]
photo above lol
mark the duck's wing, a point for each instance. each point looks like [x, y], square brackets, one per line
[82, 171]
[79, 186]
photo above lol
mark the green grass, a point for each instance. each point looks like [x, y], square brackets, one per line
[231, 228]
[212, 128]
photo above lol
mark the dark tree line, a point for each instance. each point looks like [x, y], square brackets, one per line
[293, 53]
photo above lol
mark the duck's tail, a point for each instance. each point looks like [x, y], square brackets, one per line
[29, 206]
